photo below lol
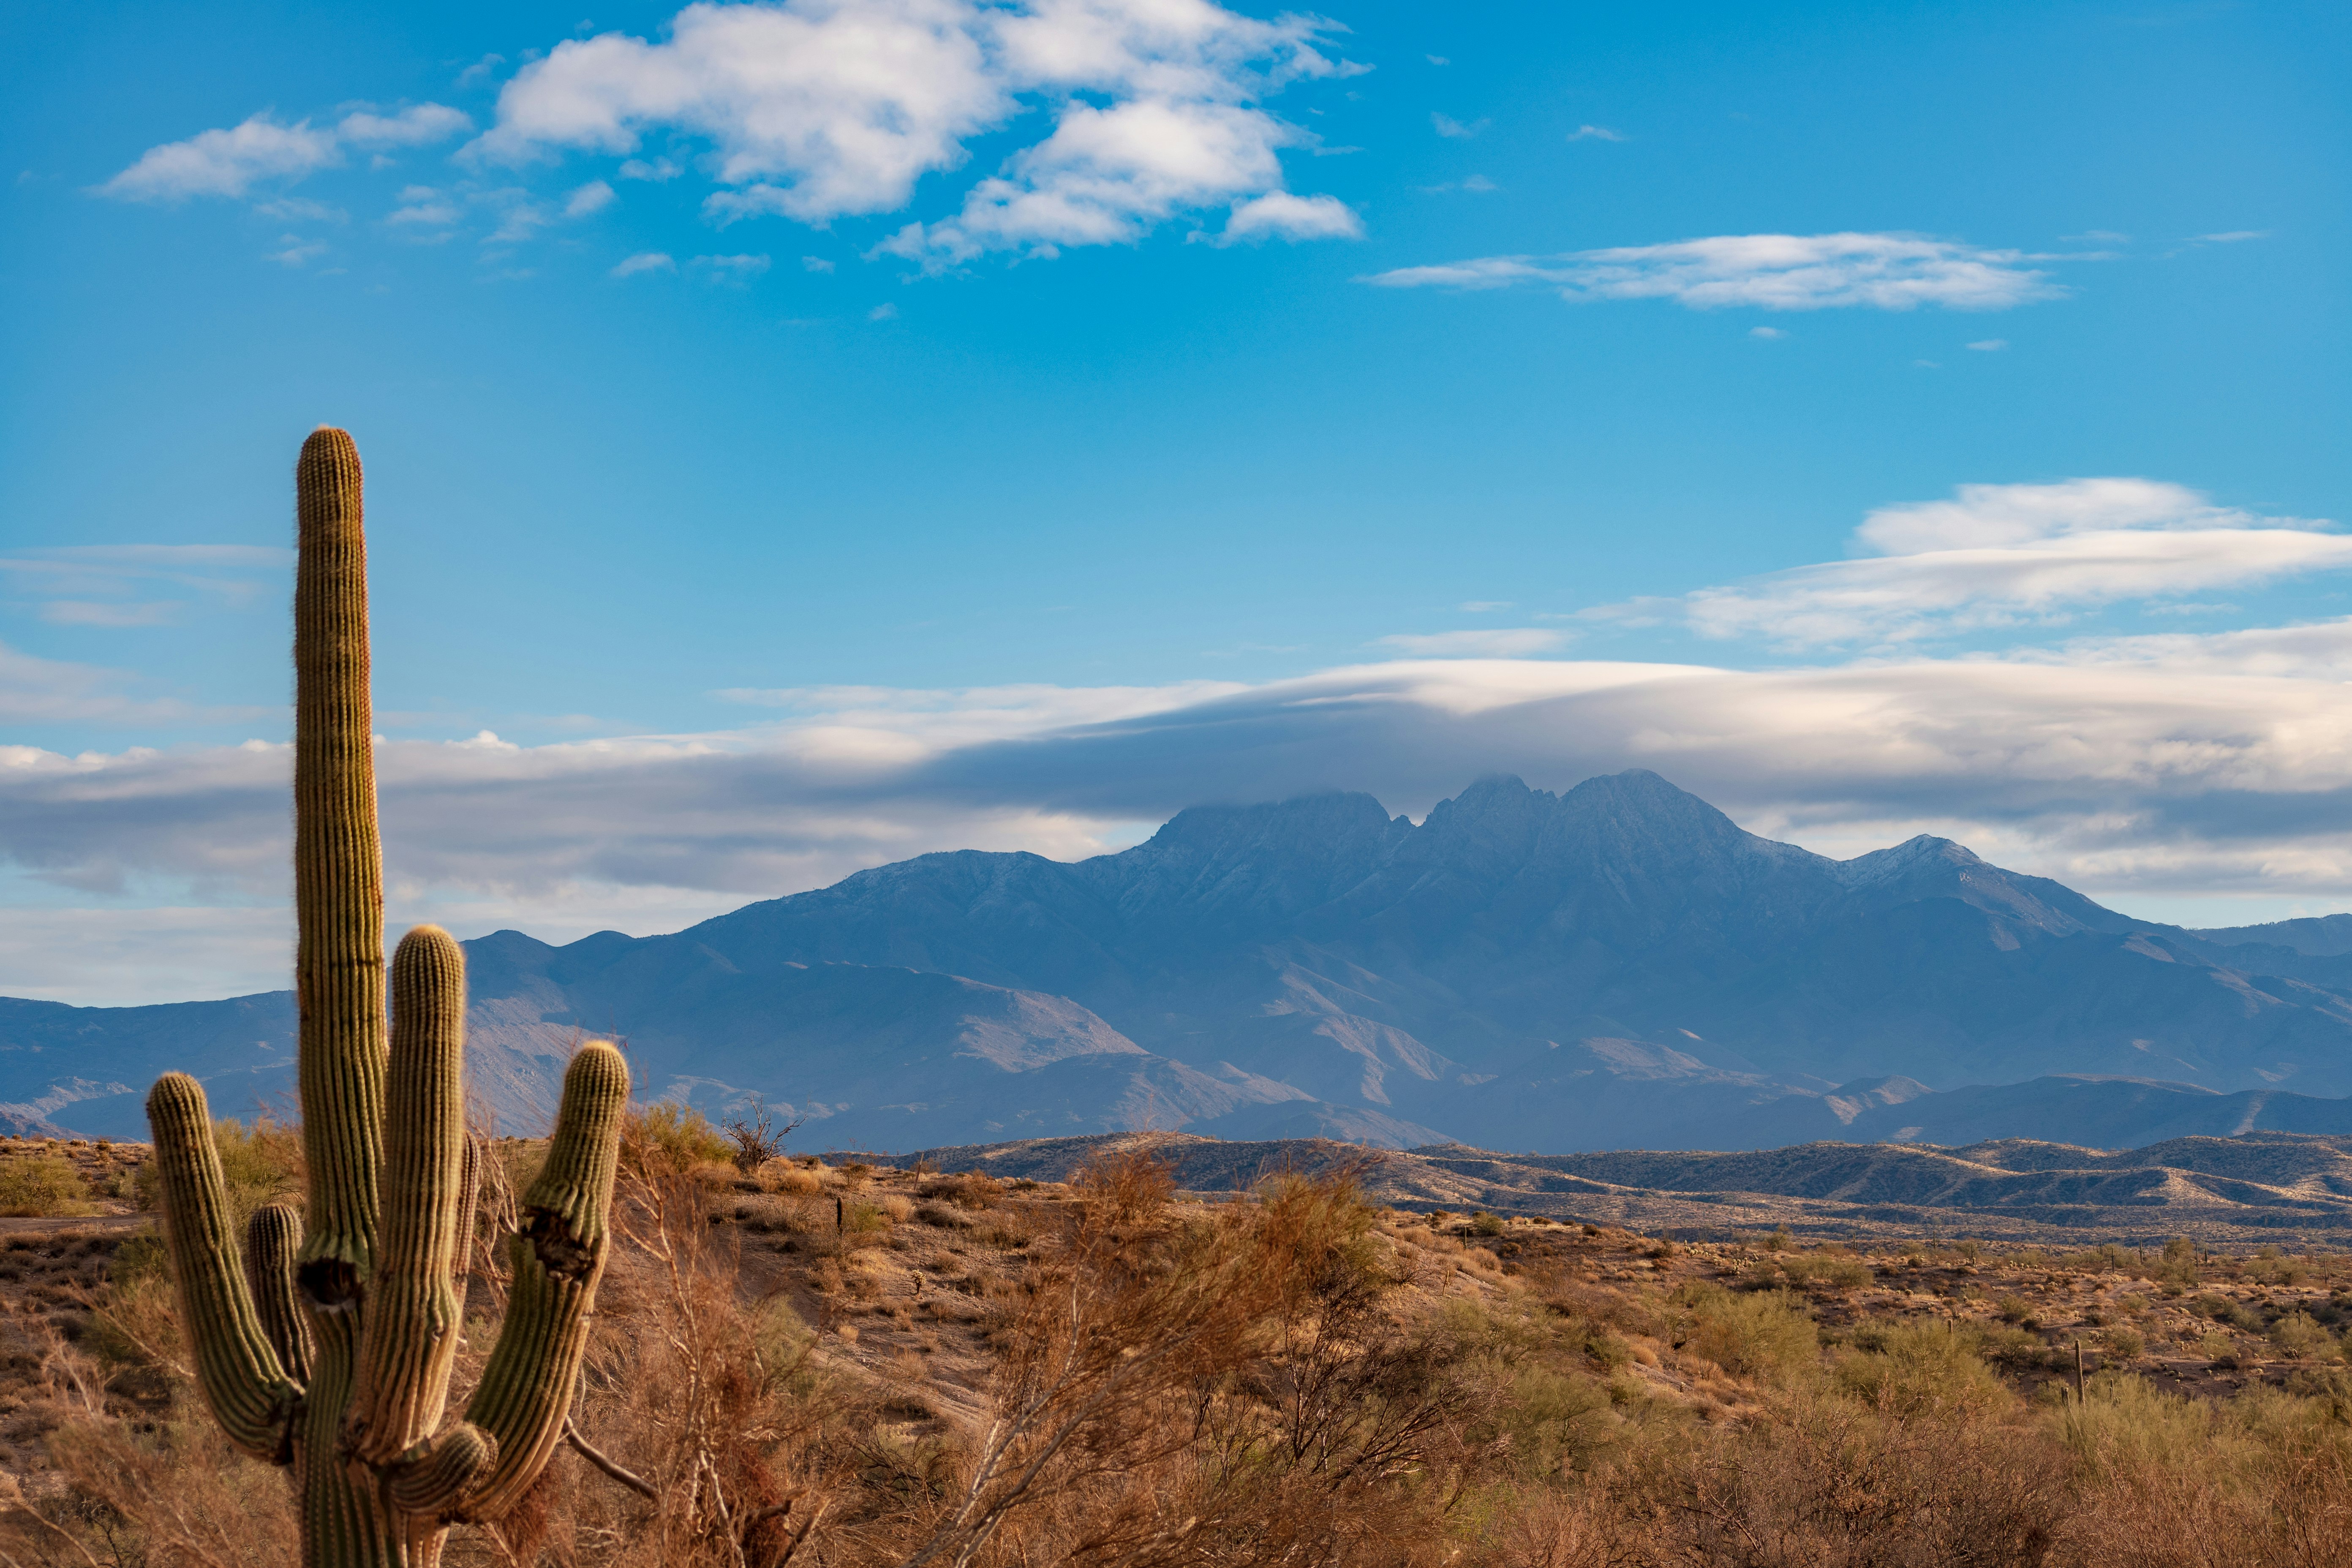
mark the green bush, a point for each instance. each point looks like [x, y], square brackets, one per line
[258, 1162]
[38, 1187]
[1767, 1334]
[1486, 1223]
[1913, 1368]
[1826, 1268]
[673, 1139]
[2297, 1336]
[2124, 1345]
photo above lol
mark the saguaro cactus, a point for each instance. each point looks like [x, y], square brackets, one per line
[330, 1350]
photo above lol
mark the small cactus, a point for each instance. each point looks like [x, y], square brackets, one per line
[328, 1345]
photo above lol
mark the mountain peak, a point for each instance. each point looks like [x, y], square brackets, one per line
[1924, 849]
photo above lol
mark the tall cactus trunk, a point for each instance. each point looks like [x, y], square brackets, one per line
[331, 1348]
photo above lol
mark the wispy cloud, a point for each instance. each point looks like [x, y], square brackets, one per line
[114, 584]
[422, 207]
[2003, 555]
[1447, 126]
[229, 162]
[2230, 237]
[1595, 133]
[1773, 271]
[732, 269]
[592, 197]
[644, 261]
[1278, 214]
[419, 126]
[1990, 346]
[1514, 642]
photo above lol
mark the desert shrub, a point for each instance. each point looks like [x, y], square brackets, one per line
[1912, 1369]
[1767, 1334]
[1780, 1240]
[757, 1135]
[1827, 1482]
[259, 1162]
[1825, 1268]
[2013, 1309]
[1486, 1224]
[670, 1139]
[2168, 1482]
[2296, 1335]
[2124, 1345]
[789, 1177]
[41, 1186]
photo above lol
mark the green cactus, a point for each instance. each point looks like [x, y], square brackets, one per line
[330, 1347]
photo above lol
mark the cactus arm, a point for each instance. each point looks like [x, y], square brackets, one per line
[469, 1193]
[526, 1390]
[250, 1395]
[338, 877]
[272, 1236]
[431, 1479]
[413, 1311]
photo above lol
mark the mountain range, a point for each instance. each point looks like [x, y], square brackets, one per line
[1619, 965]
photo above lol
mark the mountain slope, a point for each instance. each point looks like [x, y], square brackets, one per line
[1617, 965]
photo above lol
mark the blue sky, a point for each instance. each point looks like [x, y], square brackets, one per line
[803, 436]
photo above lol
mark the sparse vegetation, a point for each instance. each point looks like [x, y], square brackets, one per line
[1313, 1378]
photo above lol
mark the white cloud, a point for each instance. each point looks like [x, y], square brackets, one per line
[228, 162]
[1513, 642]
[2175, 765]
[732, 268]
[111, 585]
[415, 127]
[225, 163]
[658, 171]
[592, 197]
[1483, 607]
[1595, 133]
[2232, 237]
[882, 312]
[1278, 213]
[1773, 271]
[819, 109]
[294, 210]
[424, 207]
[1990, 346]
[1999, 556]
[1447, 126]
[1770, 334]
[298, 252]
[644, 261]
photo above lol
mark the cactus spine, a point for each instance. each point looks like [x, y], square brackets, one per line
[331, 1347]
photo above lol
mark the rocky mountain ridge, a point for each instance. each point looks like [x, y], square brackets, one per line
[1617, 964]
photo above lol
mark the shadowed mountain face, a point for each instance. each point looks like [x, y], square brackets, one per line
[1619, 965]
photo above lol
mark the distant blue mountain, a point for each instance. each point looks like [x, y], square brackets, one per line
[1616, 966]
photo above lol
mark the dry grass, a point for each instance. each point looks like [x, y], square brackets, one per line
[868, 1367]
